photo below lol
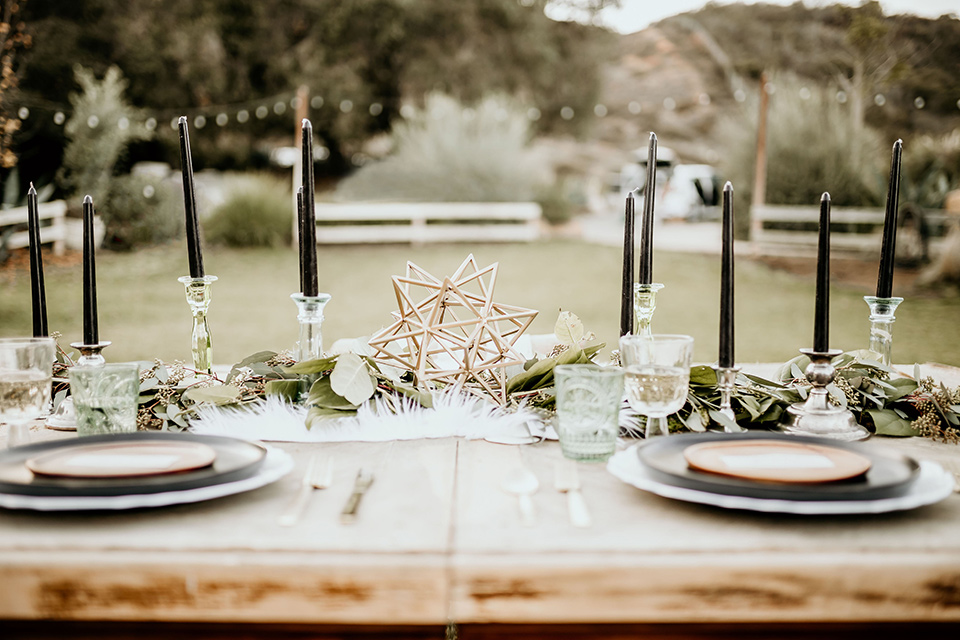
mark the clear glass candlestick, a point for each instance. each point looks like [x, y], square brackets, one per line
[310, 345]
[726, 379]
[644, 304]
[198, 297]
[881, 325]
[90, 354]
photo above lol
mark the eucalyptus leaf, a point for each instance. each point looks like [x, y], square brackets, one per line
[840, 396]
[888, 423]
[216, 394]
[694, 422]
[287, 389]
[162, 373]
[149, 384]
[725, 421]
[902, 387]
[802, 392]
[916, 372]
[569, 328]
[796, 372]
[322, 395]
[320, 416]
[704, 375]
[351, 379]
[532, 377]
[313, 366]
[260, 356]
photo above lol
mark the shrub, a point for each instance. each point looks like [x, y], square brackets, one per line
[258, 213]
[140, 210]
[447, 152]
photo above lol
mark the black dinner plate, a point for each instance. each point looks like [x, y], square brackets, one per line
[890, 473]
[236, 460]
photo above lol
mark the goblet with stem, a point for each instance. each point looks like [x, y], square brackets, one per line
[657, 376]
[26, 380]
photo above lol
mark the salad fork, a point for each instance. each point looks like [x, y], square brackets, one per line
[319, 475]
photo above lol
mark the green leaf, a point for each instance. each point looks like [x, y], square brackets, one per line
[903, 387]
[322, 395]
[320, 416]
[313, 366]
[795, 371]
[840, 396]
[423, 397]
[216, 394]
[149, 384]
[888, 423]
[534, 376]
[569, 328]
[724, 421]
[351, 379]
[260, 356]
[162, 373]
[287, 389]
[694, 422]
[916, 372]
[704, 375]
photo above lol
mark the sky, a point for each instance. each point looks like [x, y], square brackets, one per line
[634, 15]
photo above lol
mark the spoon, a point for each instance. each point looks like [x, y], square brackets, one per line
[523, 483]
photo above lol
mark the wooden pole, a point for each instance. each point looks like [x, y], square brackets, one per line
[760, 172]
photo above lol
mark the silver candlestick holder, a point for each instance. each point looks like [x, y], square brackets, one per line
[881, 326]
[310, 345]
[644, 304]
[726, 379]
[816, 416]
[198, 297]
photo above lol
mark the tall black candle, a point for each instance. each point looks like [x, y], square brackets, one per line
[888, 250]
[91, 331]
[821, 320]
[38, 293]
[646, 231]
[626, 290]
[194, 254]
[726, 359]
[309, 235]
[300, 233]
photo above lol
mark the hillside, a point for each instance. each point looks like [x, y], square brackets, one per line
[680, 77]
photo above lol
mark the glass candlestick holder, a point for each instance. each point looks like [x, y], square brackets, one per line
[310, 345]
[90, 355]
[881, 326]
[644, 304]
[726, 379]
[816, 416]
[198, 297]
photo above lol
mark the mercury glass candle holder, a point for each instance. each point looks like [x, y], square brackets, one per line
[644, 304]
[726, 379]
[198, 297]
[816, 416]
[881, 325]
[310, 345]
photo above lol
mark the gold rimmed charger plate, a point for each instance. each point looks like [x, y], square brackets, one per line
[123, 459]
[775, 461]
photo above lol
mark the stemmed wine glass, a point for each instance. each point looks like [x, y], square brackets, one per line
[657, 376]
[26, 381]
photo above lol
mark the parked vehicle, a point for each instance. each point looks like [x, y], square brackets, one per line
[683, 191]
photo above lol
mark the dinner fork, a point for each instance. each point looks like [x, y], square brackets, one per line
[318, 475]
[566, 479]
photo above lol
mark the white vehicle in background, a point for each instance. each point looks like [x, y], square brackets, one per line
[683, 191]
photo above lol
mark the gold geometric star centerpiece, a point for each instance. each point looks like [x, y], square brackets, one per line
[451, 332]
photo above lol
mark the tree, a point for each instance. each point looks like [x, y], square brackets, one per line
[13, 41]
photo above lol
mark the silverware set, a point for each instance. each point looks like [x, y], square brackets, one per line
[523, 483]
[319, 475]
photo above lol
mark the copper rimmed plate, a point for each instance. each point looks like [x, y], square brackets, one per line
[123, 459]
[234, 460]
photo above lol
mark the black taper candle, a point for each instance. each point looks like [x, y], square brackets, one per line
[309, 235]
[626, 290]
[91, 330]
[646, 231]
[726, 359]
[194, 254]
[888, 250]
[821, 320]
[300, 233]
[37, 290]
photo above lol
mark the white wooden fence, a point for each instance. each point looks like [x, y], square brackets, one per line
[422, 222]
[56, 232]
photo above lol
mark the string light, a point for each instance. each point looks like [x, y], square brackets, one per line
[805, 93]
[316, 102]
[242, 116]
[600, 110]
[93, 121]
[842, 97]
[59, 118]
[533, 114]
[669, 104]
[222, 119]
[919, 102]
[261, 112]
[123, 123]
[376, 109]
[279, 108]
[879, 100]
[567, 113]
[634, 107]
[346, 106]
[23, 113]
[199, 122]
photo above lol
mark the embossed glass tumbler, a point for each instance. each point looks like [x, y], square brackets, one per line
[588, 410]
[26, 377]
[657, 376]
[105, 398]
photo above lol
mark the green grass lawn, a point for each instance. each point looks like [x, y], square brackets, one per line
[144, 313]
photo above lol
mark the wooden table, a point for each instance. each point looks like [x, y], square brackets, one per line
[437, 542]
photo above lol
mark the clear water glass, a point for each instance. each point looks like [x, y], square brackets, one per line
[26, 382]
[657, 376]
[105, 398]
[588, 410]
